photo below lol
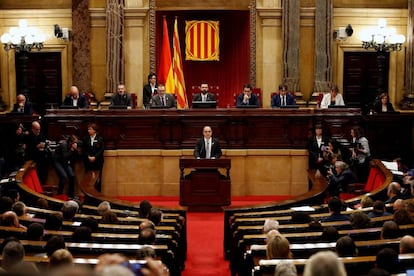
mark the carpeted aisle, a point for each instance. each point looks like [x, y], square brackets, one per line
[205, 245]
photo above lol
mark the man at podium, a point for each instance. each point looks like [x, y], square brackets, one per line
[207, 147]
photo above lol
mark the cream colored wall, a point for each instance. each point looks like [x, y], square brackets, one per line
[43, 20]
[365, 18]
[156, 172]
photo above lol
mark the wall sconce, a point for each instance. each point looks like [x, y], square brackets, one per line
[63, 33]
[382, 39]
[22, 38]
[343, 32]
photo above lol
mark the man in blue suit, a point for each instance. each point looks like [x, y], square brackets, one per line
[283, 98]
[247, 98]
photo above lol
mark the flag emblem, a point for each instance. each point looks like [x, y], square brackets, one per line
[202, 40]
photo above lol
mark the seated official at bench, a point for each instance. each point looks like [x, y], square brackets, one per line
[162, 99]
[247, 98]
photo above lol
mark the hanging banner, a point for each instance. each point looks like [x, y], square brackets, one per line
[202, 40]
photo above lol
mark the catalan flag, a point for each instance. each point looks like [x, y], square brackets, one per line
[165, 69]
[180, 91]
[202, 40]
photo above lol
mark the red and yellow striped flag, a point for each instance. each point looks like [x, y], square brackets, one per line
[202, 40]
[180, 91]
[165, 70]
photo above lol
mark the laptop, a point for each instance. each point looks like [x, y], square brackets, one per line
[200, 104]
[118, 107]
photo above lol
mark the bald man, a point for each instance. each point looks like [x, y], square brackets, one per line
[207, 147]
[22, 105]
[76, 99]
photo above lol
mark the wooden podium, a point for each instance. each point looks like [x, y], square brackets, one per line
[205, 188]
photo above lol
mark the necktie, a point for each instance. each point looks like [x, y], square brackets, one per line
[208, 149]
[283, 101]
[163, 101]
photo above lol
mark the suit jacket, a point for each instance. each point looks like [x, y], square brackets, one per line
[27, 109]
[97, 150]
[125, 99]
[276, 101]
[200, 149]
[314, 151]
[254, 100]
[339, 183]
[210, 97]
[169, 101]
[82, 101]
[147, 94]
[378, 108]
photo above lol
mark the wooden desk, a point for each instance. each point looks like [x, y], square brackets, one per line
[205, 188]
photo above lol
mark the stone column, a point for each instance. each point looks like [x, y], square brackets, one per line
[323, 45]
[291, 43]
[408, 100]
[81, 53]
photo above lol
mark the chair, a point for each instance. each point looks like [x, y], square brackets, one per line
[32, 181]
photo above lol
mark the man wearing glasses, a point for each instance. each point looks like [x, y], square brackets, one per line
[207, 147]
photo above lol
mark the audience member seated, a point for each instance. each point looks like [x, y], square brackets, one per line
[69, 210]
[285, 268]
[204, 95]
[103, 207]
[360, 220]
[283, 98]
[278, 247]
[54, 221]
[378, 210]
[402, 217]
[390, 230]
[383, 105]
[247, 98]
[324, 263]
[54, 243]
[393, 192]
[22, 106]
[300, 217]
[75, 99]
[146, 236]
[340, 179]
[121, 98]
[335, 206]
[271, 234]
[365, 202]
[155, 216]
[345, 247]
[61, 258]
[20, 209]
[109, 217]
[12, 254]
[387, 259]
[82, 234]
[270, 224]
[6, 204]
[146, 252]
[146, 224]
[13, 194]
[398, 204]
[407, 244]
[10, 219]
[329, 234]
[92, 223]
[333, 98]
[144, 208]
[42, 203]
[163, 99]
[35, 232]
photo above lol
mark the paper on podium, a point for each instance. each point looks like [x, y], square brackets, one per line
[393, 167]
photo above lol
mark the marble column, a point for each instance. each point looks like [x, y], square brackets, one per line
[323, 45]
[408, 102]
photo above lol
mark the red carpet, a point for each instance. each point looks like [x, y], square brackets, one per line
[205, 255]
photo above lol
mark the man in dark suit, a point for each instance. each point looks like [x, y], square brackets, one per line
[149, 90]
[247, 98]
[283, 98]
[36, 150]
[204, 95]
[207, 147]
[340, 179]
[22, 106]
[121, 98]
[74, 98]
[163, 99]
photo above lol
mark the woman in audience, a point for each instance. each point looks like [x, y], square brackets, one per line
[278, 247]
[345, 247]
[109, 217]
[360, 220]
[60, 258]
[383, 105]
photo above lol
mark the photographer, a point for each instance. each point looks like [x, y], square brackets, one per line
[65, 157]
[340, 178]
[36, 146]
[361, 154]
